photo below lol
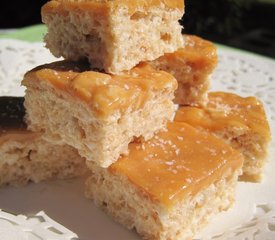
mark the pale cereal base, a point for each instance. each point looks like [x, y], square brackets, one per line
[36, 161]
[135, 210]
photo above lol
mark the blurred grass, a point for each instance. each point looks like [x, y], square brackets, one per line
[32, 34]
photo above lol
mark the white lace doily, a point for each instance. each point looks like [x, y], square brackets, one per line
[252, 217]
[36, 227]
[17, 57]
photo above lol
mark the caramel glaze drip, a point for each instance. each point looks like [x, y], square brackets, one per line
[227, 110]
[12, 114]
[104, 93]
[176, 163]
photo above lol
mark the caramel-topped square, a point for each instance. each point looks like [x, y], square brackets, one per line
[176, 162]
[240, 121]
[98, 113]
[168, 187]
[113, 35]
[25, 156]
[192, 66]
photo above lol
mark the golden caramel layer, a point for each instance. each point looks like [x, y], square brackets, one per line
[199, 54]
[104, 93]
[111, 6]
[227, 110]
[177, 162]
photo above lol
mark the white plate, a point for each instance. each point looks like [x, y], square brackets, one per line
[252, 217]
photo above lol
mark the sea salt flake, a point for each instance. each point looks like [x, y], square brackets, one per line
[224, 151]
[188, 180]
[174, 171]
[169, 163]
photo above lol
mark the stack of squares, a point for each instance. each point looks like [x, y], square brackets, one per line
[113, 100]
